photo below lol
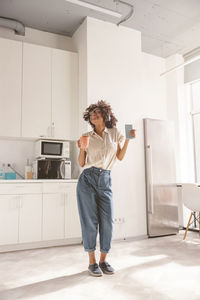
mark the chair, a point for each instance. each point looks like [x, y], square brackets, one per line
[191, 199]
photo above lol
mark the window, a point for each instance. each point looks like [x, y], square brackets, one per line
[195, 112]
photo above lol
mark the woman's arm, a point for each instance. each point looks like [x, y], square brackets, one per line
[122, 151]
[82, 157]
[82, 154]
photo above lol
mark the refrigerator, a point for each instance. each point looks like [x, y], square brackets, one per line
[160, 170]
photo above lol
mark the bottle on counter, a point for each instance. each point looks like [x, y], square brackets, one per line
[9, 173]
[2, 171]
[28, 170]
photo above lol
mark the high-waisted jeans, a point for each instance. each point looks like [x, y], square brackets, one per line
[95, 205]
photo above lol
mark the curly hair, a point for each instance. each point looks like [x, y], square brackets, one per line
[106, 112]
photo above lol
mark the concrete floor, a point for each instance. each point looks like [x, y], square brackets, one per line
[156, 269]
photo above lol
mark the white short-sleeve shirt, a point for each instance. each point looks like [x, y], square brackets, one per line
[101, 151]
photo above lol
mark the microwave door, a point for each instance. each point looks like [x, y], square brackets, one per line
[43, 169]
[52, 149]
[58, 171]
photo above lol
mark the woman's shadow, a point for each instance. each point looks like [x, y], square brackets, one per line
[46, 286]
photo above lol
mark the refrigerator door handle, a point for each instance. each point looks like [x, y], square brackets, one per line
[150, 180]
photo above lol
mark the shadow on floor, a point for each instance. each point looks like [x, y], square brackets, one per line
[123, 282]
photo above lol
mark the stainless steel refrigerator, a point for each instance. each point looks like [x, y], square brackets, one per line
[161, 189]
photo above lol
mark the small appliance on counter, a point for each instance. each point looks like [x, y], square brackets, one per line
[50, 168]
[51, 148]
[52, 159]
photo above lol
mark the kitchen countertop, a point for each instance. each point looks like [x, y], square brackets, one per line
[37, 180]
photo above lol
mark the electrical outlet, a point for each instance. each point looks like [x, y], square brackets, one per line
[119, 220]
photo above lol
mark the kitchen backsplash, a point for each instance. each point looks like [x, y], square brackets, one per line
[16, 153]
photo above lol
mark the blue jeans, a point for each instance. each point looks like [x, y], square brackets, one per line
[95, 206]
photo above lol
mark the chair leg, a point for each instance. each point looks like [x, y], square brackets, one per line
[199, 223]
[188, 224]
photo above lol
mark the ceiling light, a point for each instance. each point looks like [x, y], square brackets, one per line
[96, 8]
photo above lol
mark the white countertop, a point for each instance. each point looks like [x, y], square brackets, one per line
[37, 180]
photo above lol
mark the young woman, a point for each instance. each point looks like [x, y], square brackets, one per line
[94, 193]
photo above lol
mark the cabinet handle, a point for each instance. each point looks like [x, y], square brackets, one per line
[52, 129]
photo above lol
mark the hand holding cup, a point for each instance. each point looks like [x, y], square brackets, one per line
[83, 142]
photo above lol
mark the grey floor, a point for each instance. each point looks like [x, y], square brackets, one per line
[156, 268]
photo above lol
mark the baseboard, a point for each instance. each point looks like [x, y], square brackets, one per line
[131, 238]
[41, 244]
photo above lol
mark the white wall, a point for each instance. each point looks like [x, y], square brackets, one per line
[80, 42]
[120, 73]
[38, 37]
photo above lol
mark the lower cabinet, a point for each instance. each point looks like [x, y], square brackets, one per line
[30, 218]
[60, 212]
[38, 212]
[53, 216]
[72, 223]
[9, 219]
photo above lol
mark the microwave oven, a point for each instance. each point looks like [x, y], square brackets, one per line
[50, 168]
[51, 149]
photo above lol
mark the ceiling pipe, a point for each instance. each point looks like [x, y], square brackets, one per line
[15, 25]
[130, 12]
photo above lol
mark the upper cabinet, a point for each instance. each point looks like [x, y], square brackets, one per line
[36, 95]
[10, 87]
[64, 93]
[50, 92]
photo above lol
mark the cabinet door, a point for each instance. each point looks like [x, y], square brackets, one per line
[10, 87]
[53, 216]
[72, 222]
[36, 97]
[9, 218]
[30, 218]
[64, 93]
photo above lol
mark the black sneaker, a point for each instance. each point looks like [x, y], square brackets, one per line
[94, 270]
[106, 268]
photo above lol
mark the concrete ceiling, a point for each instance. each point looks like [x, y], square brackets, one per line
[167, 26]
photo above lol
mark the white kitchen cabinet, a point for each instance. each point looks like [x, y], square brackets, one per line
[20, 213]
[30, 218]
[60, 212]
[50, 92]
[72, 223]
[38, 213]
[9, 219]
[64, 93]
[36, 95]
[10, 87]
[53, 216]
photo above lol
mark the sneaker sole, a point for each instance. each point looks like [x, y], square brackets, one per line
[108, 273]
[95, 275]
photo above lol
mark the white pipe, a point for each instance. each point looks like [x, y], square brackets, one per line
[17, 26]
[95, 7]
